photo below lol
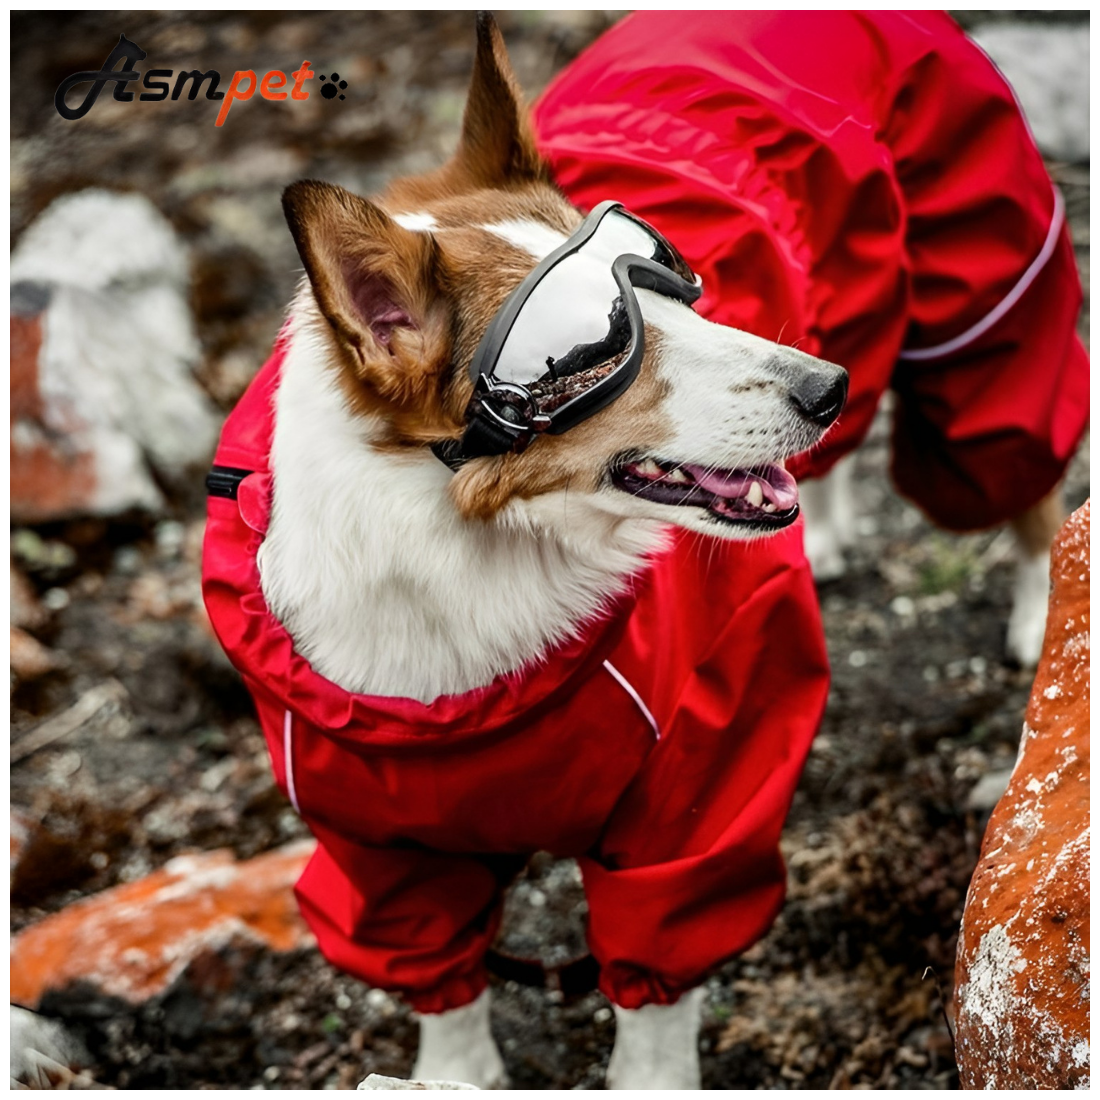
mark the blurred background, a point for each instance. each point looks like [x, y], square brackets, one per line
[133, 742]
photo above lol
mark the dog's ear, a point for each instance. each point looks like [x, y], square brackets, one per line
[497, 146]
[378, 284]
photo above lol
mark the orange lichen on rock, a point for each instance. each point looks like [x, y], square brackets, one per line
[1022, 979]
[133, 941]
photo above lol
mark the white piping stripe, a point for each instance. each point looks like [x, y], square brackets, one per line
[1010, 299]
[628, 687]
[288, 762]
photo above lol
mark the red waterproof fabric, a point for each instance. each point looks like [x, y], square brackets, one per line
[856, 183]
[424, 812]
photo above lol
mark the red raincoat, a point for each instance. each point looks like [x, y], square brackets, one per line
[661, 748]
[864, 185]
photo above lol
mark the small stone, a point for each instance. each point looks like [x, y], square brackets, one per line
[40, 1044]
[857, 658]
[903, 607]
[29, 658]
[21, 829]
[602, 1015]
[27, 611]
[56, 599]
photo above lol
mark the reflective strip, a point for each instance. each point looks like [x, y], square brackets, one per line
[628, 687]
[990, 319]
[288, 761]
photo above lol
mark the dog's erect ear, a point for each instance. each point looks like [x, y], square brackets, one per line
[377, 284]
[497, 145]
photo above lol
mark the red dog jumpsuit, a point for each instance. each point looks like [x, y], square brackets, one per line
[661, 747]
[863, 185]
[859, 183]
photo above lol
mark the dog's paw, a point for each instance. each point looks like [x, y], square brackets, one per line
[825, 554]
[657, 1046]
[458, 1046]
[1028, 621]
[829, 521]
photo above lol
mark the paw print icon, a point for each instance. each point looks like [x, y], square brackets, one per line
[333, 86]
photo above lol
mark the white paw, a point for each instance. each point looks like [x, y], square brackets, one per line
[657, 1046]
[1028, 621]
[829, 519]
[825, 554]
[458, 1046]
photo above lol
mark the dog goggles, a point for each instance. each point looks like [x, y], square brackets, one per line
[579, 305]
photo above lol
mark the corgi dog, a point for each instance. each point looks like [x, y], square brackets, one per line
[415, 552]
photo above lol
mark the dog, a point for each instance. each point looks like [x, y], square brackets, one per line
[385, 545]
[862, 185]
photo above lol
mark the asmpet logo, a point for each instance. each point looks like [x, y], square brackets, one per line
[274, 85]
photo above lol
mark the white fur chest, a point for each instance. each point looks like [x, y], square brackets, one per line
[385, 588]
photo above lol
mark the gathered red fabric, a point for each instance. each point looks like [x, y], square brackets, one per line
[661, 747]
[861, 185]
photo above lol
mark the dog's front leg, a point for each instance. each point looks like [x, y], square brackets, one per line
[458, 1046]
[657, 1046]
[1034, 530]
[828, 513]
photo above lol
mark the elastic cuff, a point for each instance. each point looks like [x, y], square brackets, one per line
[630, 988]
[455, 993]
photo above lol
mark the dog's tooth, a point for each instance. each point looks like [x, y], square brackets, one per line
[678, 476]
[650, 468]
[769, 507]
[755, 495]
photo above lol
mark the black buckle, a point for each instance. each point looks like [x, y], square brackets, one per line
[223, 481]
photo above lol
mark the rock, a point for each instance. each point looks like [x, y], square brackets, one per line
[378, 1081]
[29, 658]
[1048, 68]
[103, 348]
[20, 830]
[133, 941]
[27, 612]
[41, 1049]
[1022, 977]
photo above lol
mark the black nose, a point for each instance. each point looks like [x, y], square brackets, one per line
[820, 394]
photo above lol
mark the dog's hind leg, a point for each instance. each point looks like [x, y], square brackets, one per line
[458, 1046]
[1034, 530]
[829, 516]
[657, 1046]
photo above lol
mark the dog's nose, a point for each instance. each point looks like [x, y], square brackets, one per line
[820, 394]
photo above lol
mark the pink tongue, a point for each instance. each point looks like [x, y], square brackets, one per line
[778, 486]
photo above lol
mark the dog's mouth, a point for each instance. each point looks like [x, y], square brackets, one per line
[763, 496]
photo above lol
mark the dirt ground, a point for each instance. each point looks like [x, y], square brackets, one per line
[848, 989]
